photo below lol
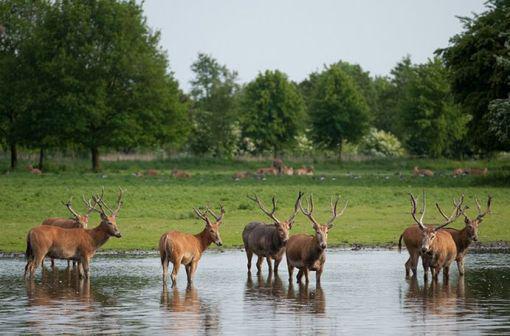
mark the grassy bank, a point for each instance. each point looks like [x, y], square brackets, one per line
[377, 192]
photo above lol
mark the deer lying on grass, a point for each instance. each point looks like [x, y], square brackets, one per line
[180, 174]
[422, 172]
[468, 234]
[287, 170]
[268, 240]
[308, 253]
[241, 175]
[477, 171]
[71, 244]
[77, 222]
[35, 171]
[267, 171]
[434, 244]
[304, 171]
[186, 249]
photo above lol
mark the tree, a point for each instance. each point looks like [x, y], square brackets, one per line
[363, 81]
[338, 111]
[213, 90]
[272, 112]
[386, 95]
[476, 75]
[434, 122]
[110, 75]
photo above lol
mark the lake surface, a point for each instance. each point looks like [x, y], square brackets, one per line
[362, 292]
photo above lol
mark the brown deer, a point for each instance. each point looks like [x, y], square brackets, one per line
[468, 234]
[72, 244]
[459, 172]
[422, 172]
[435, 245]
[287, 170]
[267, 171]
[180, 174]
[304, 171]
[308, 253]
[151, 172]
[477, 171]
[240, 175]
[78, 221]
[35, 171]
[186, 249]
[268, 240]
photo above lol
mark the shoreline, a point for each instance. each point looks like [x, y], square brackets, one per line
[491, 247]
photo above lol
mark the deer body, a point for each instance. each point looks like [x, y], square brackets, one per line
[65, 223]
[305, 253]
[422, 172]
[186, 249]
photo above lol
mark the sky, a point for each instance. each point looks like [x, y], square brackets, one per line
[301, 36]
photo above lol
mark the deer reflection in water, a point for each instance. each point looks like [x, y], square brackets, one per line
[197, 316]
[272, 290]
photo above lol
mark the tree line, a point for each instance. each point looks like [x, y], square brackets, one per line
[91, 75]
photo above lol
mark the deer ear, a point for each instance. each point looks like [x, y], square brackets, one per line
[466, 220]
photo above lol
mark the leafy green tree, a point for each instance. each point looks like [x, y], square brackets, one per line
[385, 116]
[111, 76]
[272, 112]
[338, 111]
[476, 75]
[363, 81]
[434, 122]
[214, 112]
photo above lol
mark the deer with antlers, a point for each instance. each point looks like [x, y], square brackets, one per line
[468, 234]
[268, 240]
[187, 249]
[77, 222]
[307, 253]
[434, 244]
[72, 244]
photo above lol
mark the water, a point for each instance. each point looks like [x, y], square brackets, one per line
[362, 292]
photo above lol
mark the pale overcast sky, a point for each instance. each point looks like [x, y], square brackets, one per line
[299, 36]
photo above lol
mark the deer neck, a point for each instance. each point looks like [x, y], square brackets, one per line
[462, 240]
[204, 239]
[99, 236]
[314, 249]
[276, 241]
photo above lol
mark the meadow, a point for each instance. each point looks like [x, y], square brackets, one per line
[378, 211]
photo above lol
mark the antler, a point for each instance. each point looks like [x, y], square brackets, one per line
[413, 211]
[119, 202]
[457, 211]
[68, 206]
[333, 210]
[271, 214]
[218, 218]
[308, 212]
[488, 210]
[89, 206]
[202, 215]
[296, 207]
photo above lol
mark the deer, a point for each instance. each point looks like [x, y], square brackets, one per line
[464, 237]
[267, 171]
[434, 244]
[308, 253]
[241, 175]
[77, 222]
[72, 244]
[180, 174]
[268, 240]
[304, 171]
[187, 249]
[35, 171]
[477, 171]
[459, 172]
[150, 172]
[287, 170]
[422, 172]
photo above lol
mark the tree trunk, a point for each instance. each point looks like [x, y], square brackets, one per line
[41, 158]
[95, 158]
[14, 156]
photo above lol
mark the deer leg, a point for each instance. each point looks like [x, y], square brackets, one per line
[290, 268]
[249, 255]
[414, 263]
[299, 275]
[269, 264]
[437, 269]
[276, 264]
[164, 264]
[460, 266]
[188, 272]
[68, 264]
[318, 275]
[259, 264]
[305, 272]
[52, 263]
[38, 260]
[175, 270]
[408, 267]
[446, 273]
[193, 270]
[85, 264]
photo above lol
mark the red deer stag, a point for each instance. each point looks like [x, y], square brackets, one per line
[71, 244]
[468, 234]
[308, 253]
[268, 240]
[77, 222]
[434, 244]
[186, 249]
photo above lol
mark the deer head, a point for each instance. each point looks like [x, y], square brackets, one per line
[472, 224]
[82, 220]
[212, 229]
[109, 216]
[429, 232]
[282, 227]
[321, 230]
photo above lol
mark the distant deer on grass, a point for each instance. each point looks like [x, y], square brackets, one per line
[267, 171]
[187, 249]
[72, 244]
[477, 171]
[77, 222]
[180, 174]
[287, 170]
[304, 171]
[434, 244]
[268, 240]
[240, 175]
[464, 237]
[422, 172]
[35, 171]
[308, 253]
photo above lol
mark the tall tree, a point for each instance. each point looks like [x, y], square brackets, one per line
[338, 111]
[476, 75]
[214, 112]
[273, 112]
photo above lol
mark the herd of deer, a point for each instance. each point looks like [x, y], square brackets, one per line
[456, 172]
[69, 239]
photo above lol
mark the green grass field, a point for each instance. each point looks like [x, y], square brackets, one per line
[377, 192]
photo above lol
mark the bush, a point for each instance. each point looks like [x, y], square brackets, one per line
[381, 144]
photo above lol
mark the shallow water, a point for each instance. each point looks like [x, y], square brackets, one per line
[362, 292]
